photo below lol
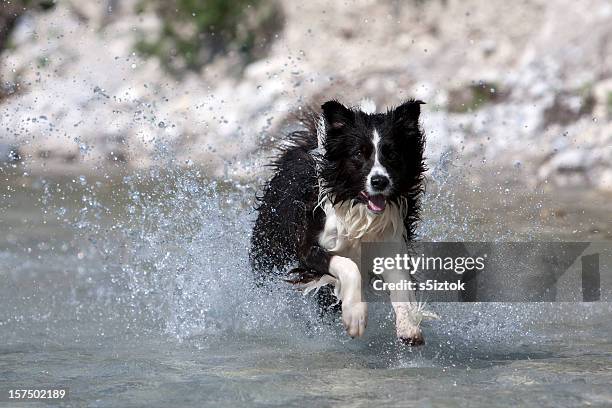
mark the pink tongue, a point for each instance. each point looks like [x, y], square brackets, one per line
[377, 203]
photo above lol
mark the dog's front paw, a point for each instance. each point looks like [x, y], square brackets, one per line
[407, 327]
[355, 317]
[411, 336]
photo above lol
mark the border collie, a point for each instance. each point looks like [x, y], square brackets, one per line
[351, 175]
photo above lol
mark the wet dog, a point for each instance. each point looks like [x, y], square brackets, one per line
[351, 175]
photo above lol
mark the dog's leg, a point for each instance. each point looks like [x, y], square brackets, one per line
[407, 318]
[354, 309]
[346, 272]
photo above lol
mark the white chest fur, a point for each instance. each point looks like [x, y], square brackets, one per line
[347, 226]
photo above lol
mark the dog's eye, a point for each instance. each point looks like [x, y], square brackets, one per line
[361, 153]
[390, 154]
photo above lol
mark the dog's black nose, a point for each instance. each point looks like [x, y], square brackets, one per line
[379, 182]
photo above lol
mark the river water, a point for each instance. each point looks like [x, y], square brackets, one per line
[134, 290]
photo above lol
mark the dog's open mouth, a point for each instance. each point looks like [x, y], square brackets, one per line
[376, 203]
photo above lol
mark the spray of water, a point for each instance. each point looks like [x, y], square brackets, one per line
[176, 251]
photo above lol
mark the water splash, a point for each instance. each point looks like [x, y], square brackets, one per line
[185, 261]
[167, 249]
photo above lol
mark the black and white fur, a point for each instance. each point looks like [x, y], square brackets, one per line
[350, 176]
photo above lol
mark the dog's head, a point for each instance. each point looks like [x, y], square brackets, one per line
[369, 158]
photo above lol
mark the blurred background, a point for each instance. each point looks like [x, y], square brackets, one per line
[96, 86]
[133, 138]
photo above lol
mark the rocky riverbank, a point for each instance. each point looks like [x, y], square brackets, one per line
[526, 87]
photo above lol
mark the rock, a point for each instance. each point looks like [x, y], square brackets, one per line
[604, 180]
[602, 92]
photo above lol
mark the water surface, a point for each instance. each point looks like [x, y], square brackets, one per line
[135, 290]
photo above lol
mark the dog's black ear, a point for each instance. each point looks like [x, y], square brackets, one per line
[336, 114]
[408, 112]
